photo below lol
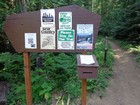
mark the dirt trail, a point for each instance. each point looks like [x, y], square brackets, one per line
[124, 86]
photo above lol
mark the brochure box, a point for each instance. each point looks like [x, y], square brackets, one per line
[87, 70]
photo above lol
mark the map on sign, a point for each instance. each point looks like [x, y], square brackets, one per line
[65, 39]
[65, 20]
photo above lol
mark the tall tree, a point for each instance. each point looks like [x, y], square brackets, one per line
[6, 7]
[22, 5]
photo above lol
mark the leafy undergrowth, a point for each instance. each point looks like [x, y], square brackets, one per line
[104, 71]
[132, 48]
[57, 81]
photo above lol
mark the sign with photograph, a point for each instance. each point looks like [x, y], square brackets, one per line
[47, 17]
[65, 39]
[47, 36]
[30, 40]
[65, 20]
[84, 36]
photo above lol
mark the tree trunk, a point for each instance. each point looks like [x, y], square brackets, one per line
[22, 5]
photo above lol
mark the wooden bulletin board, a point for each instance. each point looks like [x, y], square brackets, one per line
[20, 28]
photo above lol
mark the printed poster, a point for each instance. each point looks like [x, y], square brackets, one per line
[84, 36]
[47, 17]
[87, 59]
[65, 20]
[65, 39]
[30, 40]
[47, 36]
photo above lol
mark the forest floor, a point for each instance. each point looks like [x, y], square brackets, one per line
[124, 85]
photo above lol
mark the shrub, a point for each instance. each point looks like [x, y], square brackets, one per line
[58, 74]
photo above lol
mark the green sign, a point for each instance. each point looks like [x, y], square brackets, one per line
[65, 18]
[65, 39]
[65, 35]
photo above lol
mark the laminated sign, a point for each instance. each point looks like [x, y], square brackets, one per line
[65, 39]
[65, 20]
[47, 36]
[47, 17]
[84, 36]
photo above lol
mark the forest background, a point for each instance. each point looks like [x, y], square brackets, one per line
[120, 20]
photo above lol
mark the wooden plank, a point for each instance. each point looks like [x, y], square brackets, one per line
[84, 87]
[27, 78]
[84, 91]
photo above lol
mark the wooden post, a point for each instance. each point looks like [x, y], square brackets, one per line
[105, 50]
[84, 91]
[84, 88]
[27, 78]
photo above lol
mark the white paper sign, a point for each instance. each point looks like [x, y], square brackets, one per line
[65, 20]
[30, 40]
[47, 17]
[87, 59]
[47, 36]
[84, 36]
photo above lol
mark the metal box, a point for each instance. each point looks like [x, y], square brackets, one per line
[87, 70]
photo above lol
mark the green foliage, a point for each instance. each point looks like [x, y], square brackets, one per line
[42, 87]
[11, 67]
[60, 71]
[59, 74]
[130, 47]
[16, 95]
[125, 45]
[104, 72]
[33, 5]
[138, 58]
[11, 70]
[7, 7]
[119, 19]
[128, 29]
[136, 50]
